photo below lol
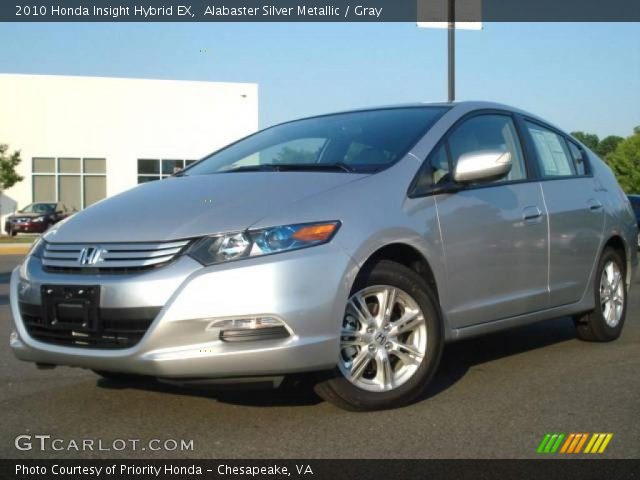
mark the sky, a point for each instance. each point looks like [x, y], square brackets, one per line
[580, 76]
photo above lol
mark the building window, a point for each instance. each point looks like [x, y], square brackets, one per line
[74, 182]
[150, 169]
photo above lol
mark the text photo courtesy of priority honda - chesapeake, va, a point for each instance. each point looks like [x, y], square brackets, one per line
[350, 240]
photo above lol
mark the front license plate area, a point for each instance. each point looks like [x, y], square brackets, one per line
[71, 307]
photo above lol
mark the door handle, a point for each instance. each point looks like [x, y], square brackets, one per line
[531, 213]
[594, 205]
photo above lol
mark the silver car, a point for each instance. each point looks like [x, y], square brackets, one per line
[355, 244]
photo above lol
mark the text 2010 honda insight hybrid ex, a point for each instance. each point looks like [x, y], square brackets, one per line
[355, 244]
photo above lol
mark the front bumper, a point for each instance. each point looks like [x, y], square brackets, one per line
[306, 289]
[25, 227]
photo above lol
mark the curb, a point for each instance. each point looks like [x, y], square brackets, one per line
[14, 249]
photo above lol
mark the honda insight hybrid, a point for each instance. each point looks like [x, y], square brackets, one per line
[352, 246]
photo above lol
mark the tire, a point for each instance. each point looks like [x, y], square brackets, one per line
[119, 376]
[605, 322]
[12, 232]
[383, 363]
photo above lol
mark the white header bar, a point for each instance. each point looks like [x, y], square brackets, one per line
[459, 25]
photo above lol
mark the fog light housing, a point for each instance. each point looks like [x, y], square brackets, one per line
[250, 329]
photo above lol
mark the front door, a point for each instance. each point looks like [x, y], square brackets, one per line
[494, 235]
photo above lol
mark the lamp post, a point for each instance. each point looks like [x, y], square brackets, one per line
[435, 9]
[451, 50]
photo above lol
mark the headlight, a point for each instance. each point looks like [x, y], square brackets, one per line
[37, 248]
[38, 219]
[253, 243]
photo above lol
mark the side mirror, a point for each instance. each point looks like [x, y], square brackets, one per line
[482, 166]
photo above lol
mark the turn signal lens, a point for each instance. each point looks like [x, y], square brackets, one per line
[315, 233]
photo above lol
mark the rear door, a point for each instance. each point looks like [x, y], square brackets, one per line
[494, 234]
[576, 215]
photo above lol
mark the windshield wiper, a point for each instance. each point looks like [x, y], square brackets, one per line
[267, 167]
[293, 167]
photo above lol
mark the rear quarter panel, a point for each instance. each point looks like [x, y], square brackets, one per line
[620, 219]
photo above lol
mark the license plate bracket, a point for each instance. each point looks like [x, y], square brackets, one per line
[74, 307]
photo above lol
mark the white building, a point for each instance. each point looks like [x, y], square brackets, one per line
[84, 138]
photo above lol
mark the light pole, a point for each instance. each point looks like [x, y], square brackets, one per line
[436, 9]
[451, 49]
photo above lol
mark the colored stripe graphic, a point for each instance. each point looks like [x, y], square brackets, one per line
[581, 442]
[543, 443]
[598, 442]
[573, 443]
[550, 443]
[556, 445]
[577, 438]
[606, 442]
[567, 442]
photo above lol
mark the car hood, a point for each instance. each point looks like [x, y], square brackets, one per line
[192, 206]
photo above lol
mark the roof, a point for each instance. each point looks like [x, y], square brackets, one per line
[463, 107]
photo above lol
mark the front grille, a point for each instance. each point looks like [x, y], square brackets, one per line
[117, 327]
[110, 257]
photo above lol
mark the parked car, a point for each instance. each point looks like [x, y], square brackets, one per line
[635, 204]
[354, 244]
[35, 218]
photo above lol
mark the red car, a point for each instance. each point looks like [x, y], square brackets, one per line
[36, 218]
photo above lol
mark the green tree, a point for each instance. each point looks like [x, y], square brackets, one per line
[625, 163]
[608, 145]
[8, 163]
[591, 140]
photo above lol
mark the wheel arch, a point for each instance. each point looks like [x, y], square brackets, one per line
[406, 255]
[620, 246]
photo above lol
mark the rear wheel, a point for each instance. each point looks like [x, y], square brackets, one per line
[391, 341]
[605, 322]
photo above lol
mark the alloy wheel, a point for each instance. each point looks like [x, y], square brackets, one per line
[383, 339]
[612, 294]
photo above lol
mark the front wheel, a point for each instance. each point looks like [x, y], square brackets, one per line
[605, 322]
[391, 341]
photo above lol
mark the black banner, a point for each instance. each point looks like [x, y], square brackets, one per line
[318, 11]
[568, 469]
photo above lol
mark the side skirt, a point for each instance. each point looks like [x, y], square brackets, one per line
[585, 305]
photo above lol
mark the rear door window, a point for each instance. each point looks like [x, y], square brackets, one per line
[552, 151]
[578, 159]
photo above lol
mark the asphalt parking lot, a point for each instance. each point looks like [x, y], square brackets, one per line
[493, 397]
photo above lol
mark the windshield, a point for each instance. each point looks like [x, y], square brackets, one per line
[39, 208]
[366, 141]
